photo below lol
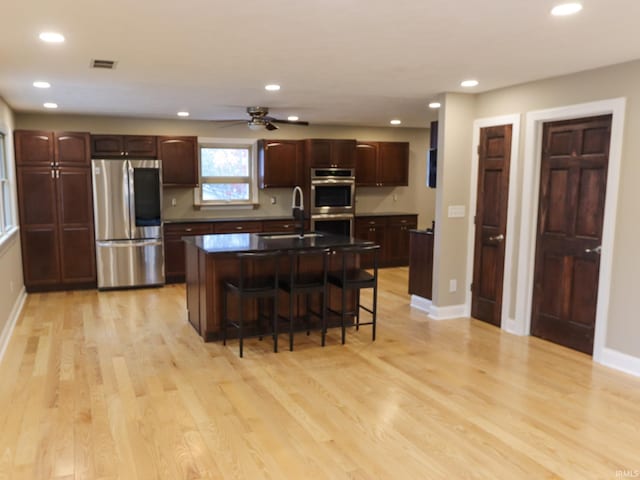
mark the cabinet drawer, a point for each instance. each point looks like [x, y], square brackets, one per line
[282, 225]
[238, 227]
[185, 229]
[371, 222]
[404, 220]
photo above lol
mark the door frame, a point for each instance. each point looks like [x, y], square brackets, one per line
[514, 121]
[530, 201]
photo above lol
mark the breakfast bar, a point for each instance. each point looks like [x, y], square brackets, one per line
[212, 259]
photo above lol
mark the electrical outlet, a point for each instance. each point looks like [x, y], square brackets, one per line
[273, 200]
[174, 202]
[453, 285]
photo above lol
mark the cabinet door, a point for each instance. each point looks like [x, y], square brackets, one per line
[107, 146]
[33, 147]
[238, 227]
[318, 152]
[140, 146]
[280, 163]
[367, 164]
[179, 157]
[174, 247]
[38, 224]
[75, 223]
[343, 153]
[72, 149]
[393, 164]
[372, 229]
[398, 240]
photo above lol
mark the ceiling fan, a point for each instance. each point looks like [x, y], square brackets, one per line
[260, 119]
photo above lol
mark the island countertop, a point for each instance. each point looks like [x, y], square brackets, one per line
[251, 242]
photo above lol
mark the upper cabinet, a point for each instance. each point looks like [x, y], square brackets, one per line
[330, 153]
[380, 164]
[280, 163]
[179, 157]
[52, 149]
[117, 146]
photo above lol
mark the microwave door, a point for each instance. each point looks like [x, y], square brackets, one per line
[111, 199]
[145, 190]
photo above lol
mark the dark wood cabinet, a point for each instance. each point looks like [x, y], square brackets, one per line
[380, 164]
[117, 146]
[174, 250]
[280, 163]
[330, 153]
[248, 226]
[280, 226]
[391, 232]
[56, 210]
[421, 264]
[179, 157]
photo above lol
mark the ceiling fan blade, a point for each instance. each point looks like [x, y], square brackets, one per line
[270, 126]
[290, 122]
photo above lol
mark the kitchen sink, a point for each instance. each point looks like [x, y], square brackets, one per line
[272, 236]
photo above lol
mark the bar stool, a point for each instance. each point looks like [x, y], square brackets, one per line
[304, 280]
[352, 277]
[258, 280]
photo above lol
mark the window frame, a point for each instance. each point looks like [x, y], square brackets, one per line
[251, 180]
[7, 190]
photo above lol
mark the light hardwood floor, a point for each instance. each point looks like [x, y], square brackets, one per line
[118, 385]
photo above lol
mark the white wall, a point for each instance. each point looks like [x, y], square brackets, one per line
[11, 283]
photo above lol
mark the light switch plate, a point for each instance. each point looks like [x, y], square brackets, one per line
[456, 211]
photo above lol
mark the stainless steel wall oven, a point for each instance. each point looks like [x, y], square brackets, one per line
[332, 191]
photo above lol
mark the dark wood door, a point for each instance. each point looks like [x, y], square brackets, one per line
[372, 229]
[179, 157]
[393, 164]
[33, 148]
[318, 152]
[343, 153]
[421, 264]
[367, 164]
[570, 218]
[75, 221]
[38, 224]
[494, 156]
[107, 146]
[72, 149]
[140, 146]
[280, 163]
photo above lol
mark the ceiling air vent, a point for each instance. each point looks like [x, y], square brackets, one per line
[108, 64]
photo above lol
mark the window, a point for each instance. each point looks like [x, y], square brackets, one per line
[6, 205]
[227, 173]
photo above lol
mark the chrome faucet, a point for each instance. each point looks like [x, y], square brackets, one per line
[297, 209]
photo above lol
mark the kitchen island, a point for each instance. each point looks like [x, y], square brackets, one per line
[211, 260]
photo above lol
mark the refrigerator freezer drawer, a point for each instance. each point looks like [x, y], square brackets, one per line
[130, 263]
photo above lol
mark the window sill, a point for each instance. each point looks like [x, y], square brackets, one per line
[7, 239]
[225, 207]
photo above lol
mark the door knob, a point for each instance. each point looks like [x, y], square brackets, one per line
[597, 250]
[498, 238]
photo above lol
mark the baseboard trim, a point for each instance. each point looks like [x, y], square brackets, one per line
[510, 325]
[421, 303]
[446, 313]
[620, 361]
[5, 336]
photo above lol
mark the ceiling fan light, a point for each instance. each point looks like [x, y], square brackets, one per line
[255, 126]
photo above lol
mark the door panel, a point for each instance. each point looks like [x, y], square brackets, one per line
[111, 199]
[74, 196]
[37, 197]
[571, 213]
[40, 256]
[494, 155]
[33, 148]
[72, 149]
[77, 243]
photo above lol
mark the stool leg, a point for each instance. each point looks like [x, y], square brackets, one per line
[358, 310]
[291, 298]
[224, 317]
[275, 323]
[241, 325]
[375, 310]
[344, 313]
[324, 315]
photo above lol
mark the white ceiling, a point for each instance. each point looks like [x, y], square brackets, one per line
[357, 62]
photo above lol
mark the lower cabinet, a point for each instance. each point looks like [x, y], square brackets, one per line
[391, 232]
[174, 260]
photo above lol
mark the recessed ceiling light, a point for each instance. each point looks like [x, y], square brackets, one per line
[395, 121]
[272, 87]
[566, 9]
[39, 84]
[469, 83]
[434, 105]
[293, 118]
[183, 114]
[52, 37]
[50, 105]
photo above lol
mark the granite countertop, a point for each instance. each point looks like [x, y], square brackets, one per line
[251, 242]
[225, 219]
[384, 214]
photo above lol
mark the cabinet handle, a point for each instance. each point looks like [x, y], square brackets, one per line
[238, 228]
[53, 174]
[188, 229]
[57, 173]
[122, 154]
[53, 164]
[286, 226]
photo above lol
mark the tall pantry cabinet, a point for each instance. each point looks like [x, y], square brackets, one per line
[55, 201]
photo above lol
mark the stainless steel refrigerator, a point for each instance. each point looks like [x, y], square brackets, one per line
[127, 200]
